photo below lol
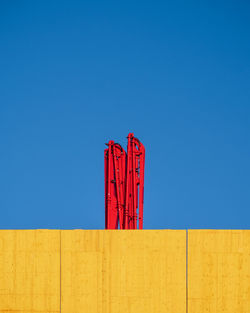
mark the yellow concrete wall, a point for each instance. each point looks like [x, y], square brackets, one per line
[141, 271]
[29, 271]
[219, 271]
[98, 271]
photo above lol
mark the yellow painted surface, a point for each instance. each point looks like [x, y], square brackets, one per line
[29, 271]
[219, 271]
[141, 271]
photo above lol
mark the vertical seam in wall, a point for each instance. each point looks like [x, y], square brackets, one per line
[60, 271]
[186, 270]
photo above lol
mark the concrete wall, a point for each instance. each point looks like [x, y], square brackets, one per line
[219, 271]
[29, 271]
[98, 271]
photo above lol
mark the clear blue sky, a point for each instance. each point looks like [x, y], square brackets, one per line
[74, 74]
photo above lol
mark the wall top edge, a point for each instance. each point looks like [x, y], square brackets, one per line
[130, 230]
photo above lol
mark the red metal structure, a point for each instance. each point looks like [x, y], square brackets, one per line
[124, 184]
[114, 172]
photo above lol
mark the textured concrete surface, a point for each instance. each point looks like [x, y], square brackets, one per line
[123, 271]
[219, 271]
[29, 271]
[98, 271]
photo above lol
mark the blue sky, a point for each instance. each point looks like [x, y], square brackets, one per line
[75, 74]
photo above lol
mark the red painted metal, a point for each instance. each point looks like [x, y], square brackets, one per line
[114, 172]
[124, 184]
[135, 182]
